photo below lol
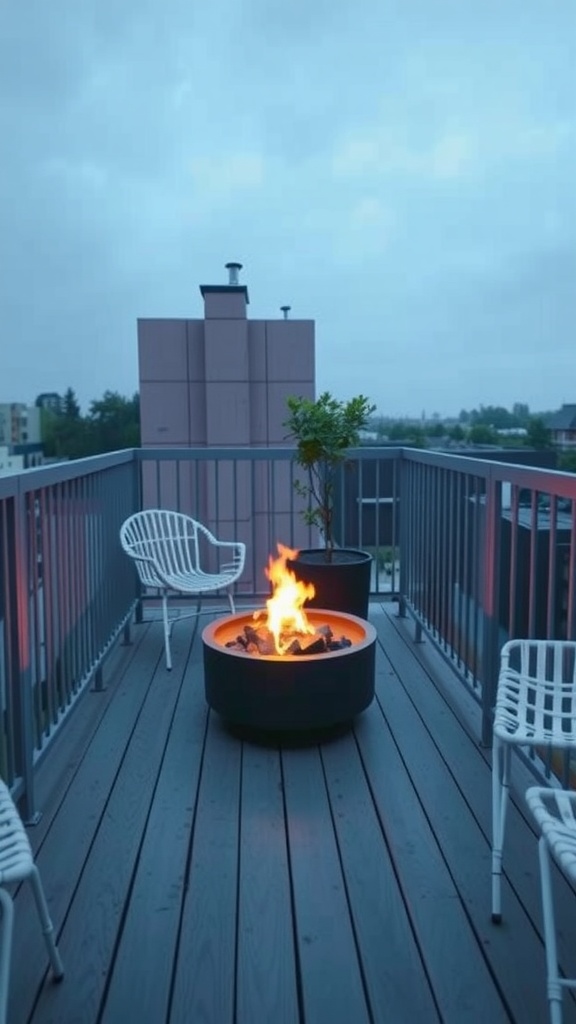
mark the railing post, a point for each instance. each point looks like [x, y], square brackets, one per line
[403, 512]
[137, 507]
[490, 605]
[20, 643]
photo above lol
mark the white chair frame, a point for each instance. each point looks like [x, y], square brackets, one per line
[554, 811]
[535, 706]
[165, 546]
[17, 865]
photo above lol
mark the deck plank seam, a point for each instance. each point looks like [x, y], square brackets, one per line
[362, 971]
[297, 960]
[134, 874]
[187, 870]
[238, 878]
[457, 888]
[393, 861]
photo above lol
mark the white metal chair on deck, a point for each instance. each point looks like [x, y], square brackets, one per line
[555, 813]
[535, 707]
[16, 865]
[170, 550]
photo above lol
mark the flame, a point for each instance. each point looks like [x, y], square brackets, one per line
[286, 613]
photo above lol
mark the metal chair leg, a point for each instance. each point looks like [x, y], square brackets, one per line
[500, 793]
[552, 977]
[47, 926]
[6, 924]
[167, 630]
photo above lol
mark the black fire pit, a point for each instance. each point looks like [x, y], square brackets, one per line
[285, 692]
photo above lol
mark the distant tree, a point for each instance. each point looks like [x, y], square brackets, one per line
[567, 462]
[480, 433]
[398, 431]
[521, 412]
[415, 437]
[456, 433]
[114, 422]
[537, 434]
[70, 405]
[436, 430]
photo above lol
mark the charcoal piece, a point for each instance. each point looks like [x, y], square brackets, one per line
[266, 645]
[294, 647]
[317, 646]
[259, 639]
[326, 632]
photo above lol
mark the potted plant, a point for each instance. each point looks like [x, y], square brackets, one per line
[324, 430]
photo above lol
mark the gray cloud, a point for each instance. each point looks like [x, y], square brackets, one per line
[402, 172]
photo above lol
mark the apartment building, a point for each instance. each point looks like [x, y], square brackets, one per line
[19, 424]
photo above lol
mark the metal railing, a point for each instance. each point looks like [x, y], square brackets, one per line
[488, 553]
[475, 551]
[63, 599]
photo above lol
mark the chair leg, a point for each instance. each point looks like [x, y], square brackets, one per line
[231, 601]
[5, 949]
[500, 793]
[552, 976]
[47, 926]
[166, 630]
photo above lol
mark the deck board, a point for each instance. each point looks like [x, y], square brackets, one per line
[195, 876]
[468, 765]
[388, 948]
[466, 991]
[266, 966]
[150, 929]
[204, 988]
[332, 983]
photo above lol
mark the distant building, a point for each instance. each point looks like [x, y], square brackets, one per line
[562, 427]
[222, 380]
[50, 400]
[10, 463]
[19, 423]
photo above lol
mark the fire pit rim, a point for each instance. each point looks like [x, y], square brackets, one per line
[208, 637]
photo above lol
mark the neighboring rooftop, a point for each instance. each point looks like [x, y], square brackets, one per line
[564, 419]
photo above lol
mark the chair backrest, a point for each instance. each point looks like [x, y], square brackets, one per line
[170, 538]
[15, 852]
[551, 660]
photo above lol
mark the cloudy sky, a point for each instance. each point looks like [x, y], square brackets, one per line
[402, 171]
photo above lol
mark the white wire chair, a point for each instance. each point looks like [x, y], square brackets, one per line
[535, 707]
[171, 551]
[555, 813]
[16, 865]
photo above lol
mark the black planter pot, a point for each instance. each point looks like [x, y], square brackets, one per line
[342, 585]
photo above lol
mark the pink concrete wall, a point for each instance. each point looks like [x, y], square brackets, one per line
[223, 381]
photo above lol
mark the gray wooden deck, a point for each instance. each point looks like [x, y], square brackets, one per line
[196, 878]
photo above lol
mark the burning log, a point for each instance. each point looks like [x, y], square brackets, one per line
[260, 641]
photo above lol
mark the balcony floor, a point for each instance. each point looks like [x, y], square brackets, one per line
[196, 878]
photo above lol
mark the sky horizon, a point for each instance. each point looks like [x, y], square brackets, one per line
[400, 173]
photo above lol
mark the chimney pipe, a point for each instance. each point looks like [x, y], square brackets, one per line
[285, 310]
[233, 271]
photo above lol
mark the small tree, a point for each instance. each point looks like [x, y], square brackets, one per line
[537, 434]
[324, 430]
[70, 405]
